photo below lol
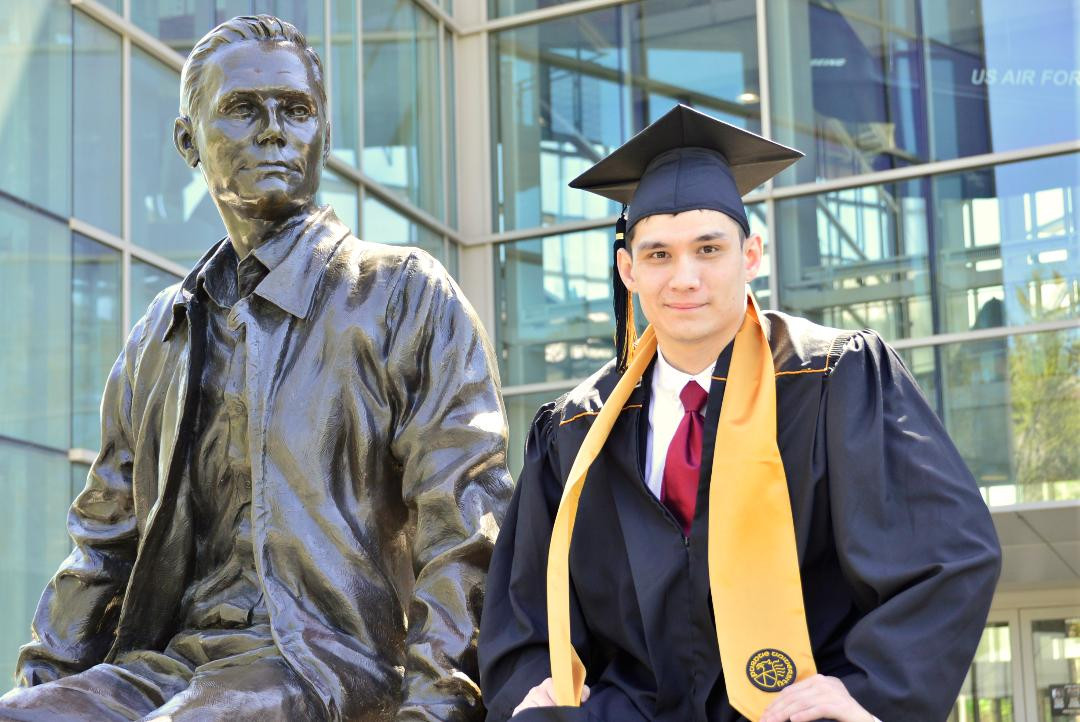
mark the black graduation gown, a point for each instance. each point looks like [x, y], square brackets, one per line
[897, 550]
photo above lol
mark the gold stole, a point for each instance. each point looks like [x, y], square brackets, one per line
[753, 563]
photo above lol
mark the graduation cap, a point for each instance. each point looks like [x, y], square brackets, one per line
[686, 160]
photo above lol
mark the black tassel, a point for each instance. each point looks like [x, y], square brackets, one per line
[623, 300]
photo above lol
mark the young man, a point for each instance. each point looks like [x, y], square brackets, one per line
[302, 460]
[771, 523]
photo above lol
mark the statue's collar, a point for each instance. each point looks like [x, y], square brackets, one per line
[295, 257]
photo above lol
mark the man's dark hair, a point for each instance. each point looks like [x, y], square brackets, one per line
[259, 28]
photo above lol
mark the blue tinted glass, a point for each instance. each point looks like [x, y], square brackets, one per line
[172, 213]
[1012, 407]
[96, 328]
[96, 162]
[382, 224]
[344, 86]
[568, 91]
[403, 125]
[343, 196]
[33, 537]
[868, 86]
[35, 333]
[146, 282]
[554, 306]
[35, 103]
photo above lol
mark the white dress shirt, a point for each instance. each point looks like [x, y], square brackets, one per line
[665, 413]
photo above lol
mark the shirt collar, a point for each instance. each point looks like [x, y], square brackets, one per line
[295, 257]
[669, 380]
[218, 277]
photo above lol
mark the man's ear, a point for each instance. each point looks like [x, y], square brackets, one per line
[326, 144]
[625, 264]
[184, 138]
[752, 256]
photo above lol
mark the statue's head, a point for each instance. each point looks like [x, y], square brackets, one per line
[254, 117]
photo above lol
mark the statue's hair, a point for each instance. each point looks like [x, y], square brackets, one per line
[259, 28]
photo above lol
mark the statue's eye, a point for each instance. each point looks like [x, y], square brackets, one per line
[242, 109]
[299, 112]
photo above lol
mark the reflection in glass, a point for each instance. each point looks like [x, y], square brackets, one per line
[402, 117]
[987, 694]
[342, 195]
[554, 306]
[35, 103]
[857, 258]
[568, 91]
[172, 213]
[146, 282]
[95, 334]
[520, 411]
[181, 24]
[33, 537]
[1008, 242]
[998, 246]
[98, 155]
[502, 8]
[35, 334]
[1056, 643]
[1012, 407]
[344, 82]
[863, 85]
[382, 224]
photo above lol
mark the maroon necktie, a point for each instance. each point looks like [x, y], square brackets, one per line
[683, 463]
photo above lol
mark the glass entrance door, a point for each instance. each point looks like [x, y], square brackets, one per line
[1050, 640]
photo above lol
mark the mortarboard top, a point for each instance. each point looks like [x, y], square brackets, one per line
[686, 160]
[752, 159]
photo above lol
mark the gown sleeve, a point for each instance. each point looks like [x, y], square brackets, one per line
[914, 538]
[513, 646]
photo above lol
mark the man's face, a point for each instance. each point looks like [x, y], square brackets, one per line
[690, 274]
[259, 130]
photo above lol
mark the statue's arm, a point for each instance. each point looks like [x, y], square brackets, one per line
[76, 618]
[451, 440]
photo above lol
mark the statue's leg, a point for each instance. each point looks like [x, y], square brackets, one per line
[263, 689]
[104, 693]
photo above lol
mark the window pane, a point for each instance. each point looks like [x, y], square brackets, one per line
[95, 334]
[344, 85]
[33, 535]
[382, 224]
[1057, 668]
[96, 162]
[1009, 244]
[342, 195]
[858, 258]
[402, 117]
[500, 8]
[863, 86]
[451, 132]
[35, 103]
[568, 91]
[172, 213]
[1012, 407]
[35, 333]
[554, 306]
[146, 282]
[1000, 244]
[520, 411]
[987, 694]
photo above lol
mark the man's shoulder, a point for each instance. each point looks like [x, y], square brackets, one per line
[801, 346]
[397, 265]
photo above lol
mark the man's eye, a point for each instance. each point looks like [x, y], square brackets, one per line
[659, 255]
[299, 112]
[241, 110]
[709, 249]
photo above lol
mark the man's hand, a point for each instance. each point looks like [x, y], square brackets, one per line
[543, 695]
[814, 698]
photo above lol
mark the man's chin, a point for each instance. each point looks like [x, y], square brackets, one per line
[271, 205]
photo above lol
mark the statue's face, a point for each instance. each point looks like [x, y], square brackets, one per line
[259, 129]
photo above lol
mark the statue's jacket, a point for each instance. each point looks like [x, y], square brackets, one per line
[377, 444]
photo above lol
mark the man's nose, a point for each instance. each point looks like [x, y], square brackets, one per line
[686, 274]
[272, 128]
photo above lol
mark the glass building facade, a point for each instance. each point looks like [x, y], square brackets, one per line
[938, 203]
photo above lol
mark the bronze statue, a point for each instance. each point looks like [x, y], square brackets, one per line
[302, 465]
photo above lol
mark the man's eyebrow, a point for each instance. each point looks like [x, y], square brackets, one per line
[712, 236]
[287, 93]
[649, 245]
